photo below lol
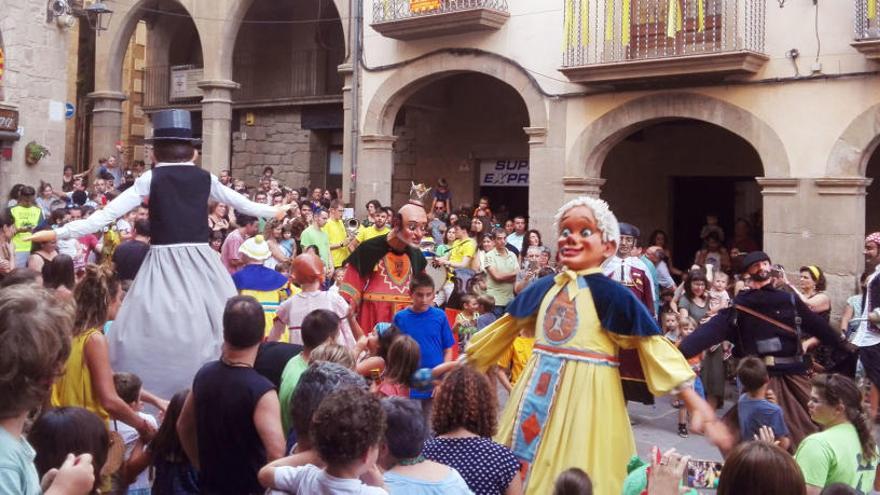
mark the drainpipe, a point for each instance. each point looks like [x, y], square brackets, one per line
[356, 7]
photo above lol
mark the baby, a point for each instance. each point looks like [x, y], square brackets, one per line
[719, 298]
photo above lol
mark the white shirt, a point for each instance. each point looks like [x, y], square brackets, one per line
[132, 197]
[129, 437]
[864, 336]
[315, 481]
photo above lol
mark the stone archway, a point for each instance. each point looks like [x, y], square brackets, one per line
[377, 139]
[851, 152]
[396, 89]
[596, 140]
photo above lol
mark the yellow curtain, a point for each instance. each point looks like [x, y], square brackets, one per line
[673, 19]
[609, 20]
[567, 33]
[872, 9]
[701, 16]
[585, 22]
[625, 22]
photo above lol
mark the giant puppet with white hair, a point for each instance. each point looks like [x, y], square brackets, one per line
[568, 409]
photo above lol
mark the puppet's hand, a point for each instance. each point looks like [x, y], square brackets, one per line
[41, 236]
[281, 212]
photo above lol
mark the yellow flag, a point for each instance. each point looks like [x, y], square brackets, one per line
[673, 19]
[585, 22]
[872, 9]
[566, 26]
[609, 20]
[625, 22]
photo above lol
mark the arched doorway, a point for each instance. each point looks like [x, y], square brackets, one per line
[288, 112]
[670, 174]
[468, 129]
[872, 201]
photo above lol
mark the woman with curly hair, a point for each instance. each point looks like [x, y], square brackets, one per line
[464, 419]
[87, 380]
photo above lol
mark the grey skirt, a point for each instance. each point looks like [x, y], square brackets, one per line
[171, 321]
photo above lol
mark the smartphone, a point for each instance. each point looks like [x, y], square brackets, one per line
[702, 474]
[533, 265]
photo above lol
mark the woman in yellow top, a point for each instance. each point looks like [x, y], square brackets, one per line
[567, 409]
[87, 380]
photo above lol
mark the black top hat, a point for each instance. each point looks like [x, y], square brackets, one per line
[172, 125]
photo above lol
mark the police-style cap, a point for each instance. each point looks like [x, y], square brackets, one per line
[630, 230]
[752, 258]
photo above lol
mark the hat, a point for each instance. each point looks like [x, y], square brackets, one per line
[172, 125]
[754, 257]
[255, 248]
[307, 268]
[630, 230]
[873, 237]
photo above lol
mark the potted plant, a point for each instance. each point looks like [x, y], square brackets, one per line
[34, 152]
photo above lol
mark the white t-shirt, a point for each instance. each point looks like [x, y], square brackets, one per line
[313, 480]
[129, 437]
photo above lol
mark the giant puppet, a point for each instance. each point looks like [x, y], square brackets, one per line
[171, 321]
[378, 272]
[568, 408]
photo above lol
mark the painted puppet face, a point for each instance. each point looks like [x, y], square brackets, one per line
[414, 222]
[580, 240]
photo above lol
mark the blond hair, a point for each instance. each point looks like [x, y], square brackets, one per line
[334, 353]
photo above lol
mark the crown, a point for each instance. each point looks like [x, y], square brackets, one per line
[417, 193]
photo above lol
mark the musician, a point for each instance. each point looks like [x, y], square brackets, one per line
[378, 272]
[337, 234]
[768, 323]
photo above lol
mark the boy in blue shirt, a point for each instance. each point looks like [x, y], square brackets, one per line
[755, 408]
[429, 327]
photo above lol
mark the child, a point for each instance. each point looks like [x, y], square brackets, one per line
[686, 326]
[403, 361]
[466, 320]
[174, 473]
[287, 244]
[712, 227]
[486, 305]
[308, 270]
[347, 430]
[482, 209]
[719, 298]
[37, 325]
[669, 325]
[429, 327]
[333, 353]
[318, 327]
[573, 481]
[754, 407]
[514, 361]
[128, 386]
[60, 431]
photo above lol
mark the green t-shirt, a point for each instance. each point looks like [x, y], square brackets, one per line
[835, 456]
[289, 380]
[507, 263]
[313, 236]
[17, 471]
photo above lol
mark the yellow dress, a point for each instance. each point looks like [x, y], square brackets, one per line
[74, 387]
[568, 410]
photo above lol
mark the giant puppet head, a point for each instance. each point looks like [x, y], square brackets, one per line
[588, 233]
[410, 223]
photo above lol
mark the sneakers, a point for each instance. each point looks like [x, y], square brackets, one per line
[682, 430]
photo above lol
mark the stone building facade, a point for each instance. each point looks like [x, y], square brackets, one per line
[33, 91]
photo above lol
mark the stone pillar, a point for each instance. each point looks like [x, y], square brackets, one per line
[546, 168]
[582, 186]
[817, 222]
[373, 179]
[347, 134]
[106, 123]
[216, 123]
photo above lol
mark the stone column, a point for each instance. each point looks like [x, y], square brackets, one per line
[216, 123]
[106, 123]
[373, 179]
[582, 186]
[817, 222]
[347, 134]
[546, 168]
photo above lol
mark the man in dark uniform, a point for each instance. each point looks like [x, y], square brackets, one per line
[768, 323]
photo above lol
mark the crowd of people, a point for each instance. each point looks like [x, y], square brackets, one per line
[311, 394]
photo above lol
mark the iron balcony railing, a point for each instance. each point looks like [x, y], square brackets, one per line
[867, 20]
[394, 10]
[611, 31]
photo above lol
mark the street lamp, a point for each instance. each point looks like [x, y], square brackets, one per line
[98, 16]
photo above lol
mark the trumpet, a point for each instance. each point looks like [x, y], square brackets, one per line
[352, 225]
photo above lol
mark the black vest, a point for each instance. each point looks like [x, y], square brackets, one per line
[179, 205]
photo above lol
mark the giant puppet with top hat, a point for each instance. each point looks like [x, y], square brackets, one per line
[171, 321]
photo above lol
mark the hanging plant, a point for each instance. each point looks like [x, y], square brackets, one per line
[34, 152]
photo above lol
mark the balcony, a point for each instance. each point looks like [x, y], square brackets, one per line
[645, 43]
[302, 77]
[416, 19]
[867, 27]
